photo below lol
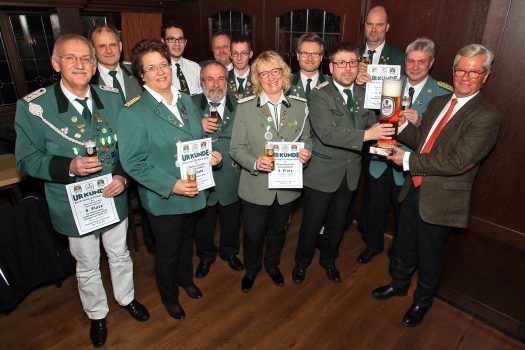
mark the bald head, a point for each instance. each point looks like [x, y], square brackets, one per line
[376, 26]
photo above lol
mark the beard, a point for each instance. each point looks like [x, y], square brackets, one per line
[215, 94]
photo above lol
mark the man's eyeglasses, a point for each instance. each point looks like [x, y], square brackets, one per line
[173, 40]
[162, 66]
[343, 64]
[473, 74]
[310, 54]
[72, 59]
[242, 53]
[274, 72]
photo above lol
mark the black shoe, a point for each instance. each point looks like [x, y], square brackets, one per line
[247, 283]
[234, 262]
[176, 311]
[366, 256]
[137, 311]
[298, 274]
[333, 273]
[98, 332]
[193, 291]
[415, 315]
[388, 291]
[202, 269]
[277, 277]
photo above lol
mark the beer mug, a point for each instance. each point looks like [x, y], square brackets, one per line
[91, 148]
[268, 153]
[214, 114]
[191, 175]
[405, 102]
[390, 108]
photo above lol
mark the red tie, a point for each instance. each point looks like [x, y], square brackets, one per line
[417, 179]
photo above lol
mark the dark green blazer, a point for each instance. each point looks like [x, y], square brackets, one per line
[226, 176]
[44, 153]
[232, 86]
[297, 88]
[131, 85]
[450, 168]
[389, 55]
[337, 138]
[251, 123]
[148, 136]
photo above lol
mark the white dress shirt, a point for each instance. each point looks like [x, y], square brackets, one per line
[191, 71]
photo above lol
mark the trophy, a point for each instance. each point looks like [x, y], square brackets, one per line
[390, 108]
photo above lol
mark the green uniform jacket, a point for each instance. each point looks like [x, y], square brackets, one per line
[232, 85]
[389, 55]
[226, 175]
[248, 140]
[450, 168]
[379, 164]
[297, 88]
[149, 133]
[337, 138]
[43, 153]
[131, 84]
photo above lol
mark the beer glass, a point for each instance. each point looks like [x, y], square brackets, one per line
[191, 175]
[91, 148]
[268, 153]
[214, 114]
[390, 108]
[405, 102]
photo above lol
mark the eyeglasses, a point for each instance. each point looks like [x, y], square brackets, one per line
[343, 64]
[274, 72]
[472, 74]
[72, 59]
[310, 54]
[173, 40]
[163, 67]
[242, 53]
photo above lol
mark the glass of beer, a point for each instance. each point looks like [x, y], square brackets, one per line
[214, 114]
[191, 175]
[390, 108]
[91, 148]
[268, 153]
[405, 102]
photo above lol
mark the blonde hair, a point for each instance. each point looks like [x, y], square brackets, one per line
[270, 57]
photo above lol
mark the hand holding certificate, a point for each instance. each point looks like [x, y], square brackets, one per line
[194, 156]
[288, 168]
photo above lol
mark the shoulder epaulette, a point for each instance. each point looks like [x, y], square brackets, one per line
[108, 88]
[246, 99]
[132, 101]
[298, 98]
[320, 86]
[31, 96]
[445, 86]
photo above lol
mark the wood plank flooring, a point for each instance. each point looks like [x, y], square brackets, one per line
[315, 315]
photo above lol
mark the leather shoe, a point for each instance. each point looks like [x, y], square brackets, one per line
[388, 291]
[98, 332]
[298, 274]
[333, 273]
[366, 256]
[137, 311]
[193, 291]
[415, 315]
[234, 262]
[247, 283]
[277, 277]
[176, 311]
[202, 269]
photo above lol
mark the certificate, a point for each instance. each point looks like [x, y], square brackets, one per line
[374, 87]
[91, 210]
[288, 169]
[196, 154]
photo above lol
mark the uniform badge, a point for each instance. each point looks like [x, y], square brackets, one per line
[108, 88]
[64, 130]
[31, 96]
[429, 91]
[74, 119]
[132, 101]
[268, 135]
[77, 135]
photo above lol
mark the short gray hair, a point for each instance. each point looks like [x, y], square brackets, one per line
[212, 63]
[421, 44]
[69, 37]
[474, 50]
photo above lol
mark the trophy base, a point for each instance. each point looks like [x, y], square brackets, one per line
[382, 150]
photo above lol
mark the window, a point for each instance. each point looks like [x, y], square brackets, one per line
[7, 85]
[88, 22]
[293, 24]
[234, 23]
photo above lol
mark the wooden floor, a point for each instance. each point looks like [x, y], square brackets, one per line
[315, 315]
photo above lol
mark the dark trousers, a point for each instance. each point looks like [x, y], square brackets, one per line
[321, 208]
[364, 212]
[418, 245]
[173, 254]
[264, 224]
[383, 195]
[230, 221]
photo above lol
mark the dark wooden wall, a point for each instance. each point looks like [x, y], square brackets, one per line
[485, 266]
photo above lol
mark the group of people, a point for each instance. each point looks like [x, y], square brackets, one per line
[162, 99]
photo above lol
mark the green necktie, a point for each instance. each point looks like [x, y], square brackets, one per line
[86, 114]
[182, 80]
[308, 87]
[241, 87]
[411, 94]
[371, 56]
[350, 101]
[117, 85]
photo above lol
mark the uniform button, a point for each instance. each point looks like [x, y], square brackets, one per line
[220, 138]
